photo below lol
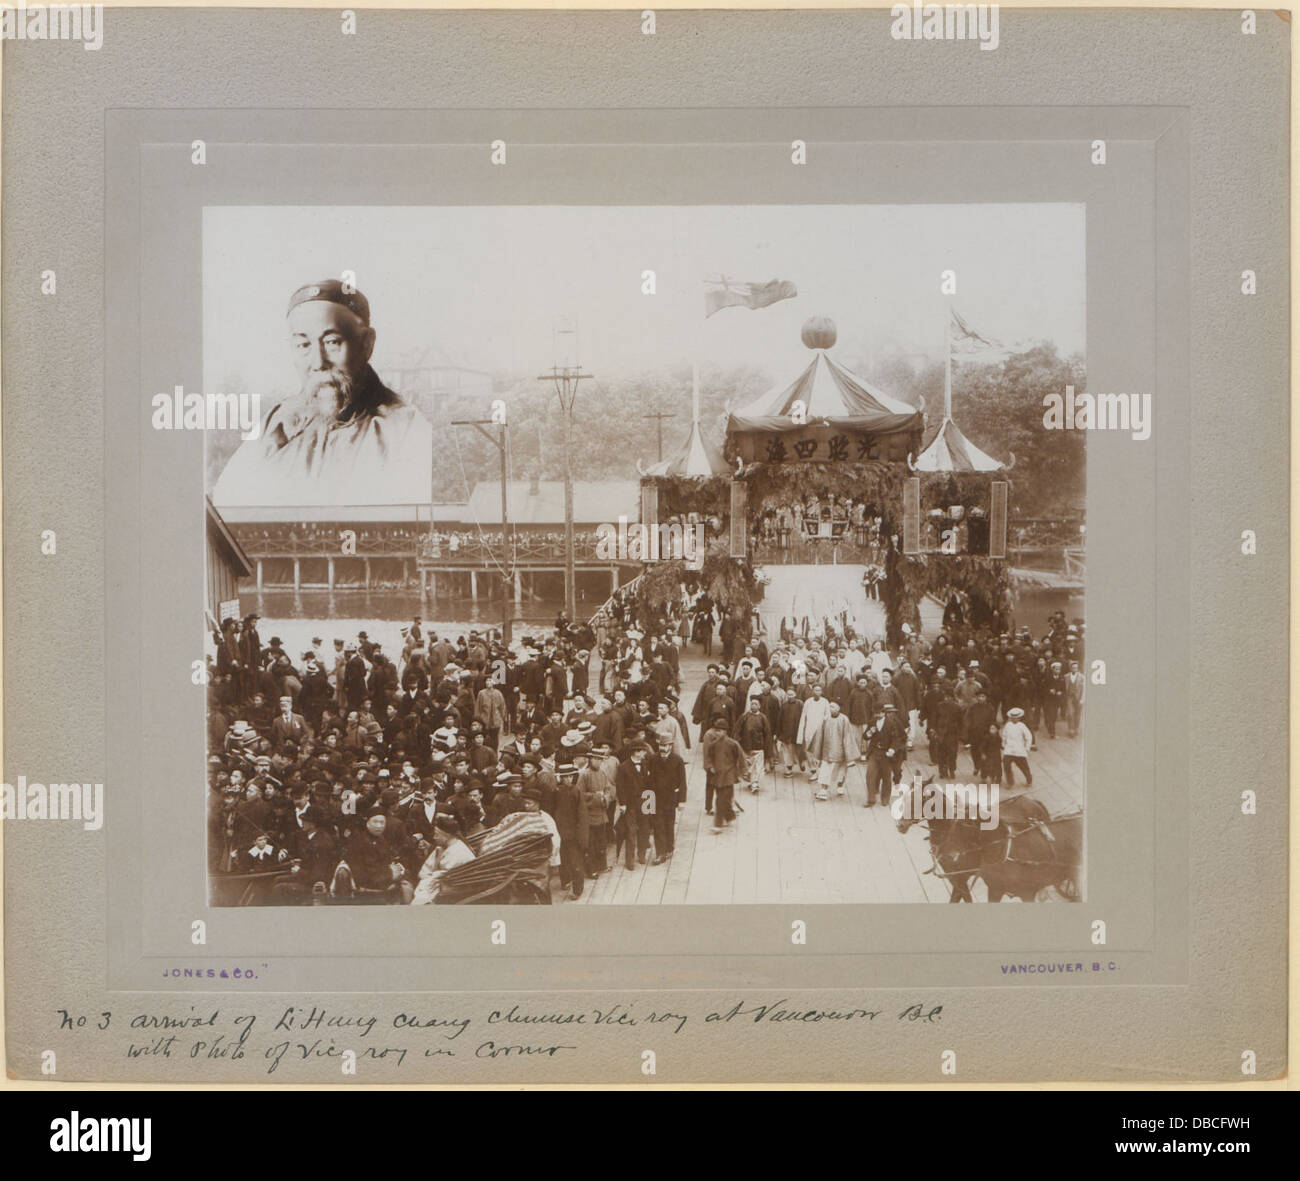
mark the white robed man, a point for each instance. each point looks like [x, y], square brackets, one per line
[666, 727]
[855, 660]
[344, 438]
[816, 710]
[448, 852]
[834, 746]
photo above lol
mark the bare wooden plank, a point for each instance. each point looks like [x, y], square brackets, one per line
[770, 822]
[687, 835]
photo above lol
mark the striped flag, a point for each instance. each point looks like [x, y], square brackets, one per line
[968, 344]
[722, 293]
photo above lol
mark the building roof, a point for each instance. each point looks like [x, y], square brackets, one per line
[594, 502]
[830, 392]
[224, 540]
[698, 458]
[400, 514]
[951, 451]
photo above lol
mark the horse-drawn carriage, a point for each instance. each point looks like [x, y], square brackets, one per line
[516, 871]
[1029, 855]
[511, 864]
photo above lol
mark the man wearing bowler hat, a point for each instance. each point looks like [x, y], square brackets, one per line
[344, 438]
[668, 781]
[637, 802]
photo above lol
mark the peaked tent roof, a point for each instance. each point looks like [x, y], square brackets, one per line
[828, 391]
[698, 458]
[951, 451]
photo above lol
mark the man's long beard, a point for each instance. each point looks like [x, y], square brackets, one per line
[328, 395]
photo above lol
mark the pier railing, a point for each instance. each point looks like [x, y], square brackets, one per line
[467, 549]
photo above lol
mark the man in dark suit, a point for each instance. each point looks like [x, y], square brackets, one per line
[635, 793]
[377, 862]
[944, 715]
[530, 767]
[354, 678]
[418, 813]
[660, 676]
[571, 822]
[316, 850]
[886, 742]
[288, 726]
[668, 781]
[703, 697]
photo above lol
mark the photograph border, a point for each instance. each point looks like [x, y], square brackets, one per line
[723, 150]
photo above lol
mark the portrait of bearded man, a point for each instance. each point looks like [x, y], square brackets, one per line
[345, 437]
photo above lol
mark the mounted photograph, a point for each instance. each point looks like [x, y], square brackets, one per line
[645, 555]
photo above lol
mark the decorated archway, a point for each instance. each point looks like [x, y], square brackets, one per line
[822, 476]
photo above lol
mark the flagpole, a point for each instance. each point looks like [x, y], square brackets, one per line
[947, 364]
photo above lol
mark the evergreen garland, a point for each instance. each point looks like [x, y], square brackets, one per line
[732, 584]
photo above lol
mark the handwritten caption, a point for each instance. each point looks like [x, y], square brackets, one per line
[303, 1033]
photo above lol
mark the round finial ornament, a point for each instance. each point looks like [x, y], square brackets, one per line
[818, 332]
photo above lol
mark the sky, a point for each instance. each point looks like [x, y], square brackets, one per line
[484, 286]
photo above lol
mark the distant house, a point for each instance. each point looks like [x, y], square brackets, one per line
[227, 564]
[540, 505]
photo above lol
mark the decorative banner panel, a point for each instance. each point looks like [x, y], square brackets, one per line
[912, 515]
[998, 521]
[739, 517]
[649, 504]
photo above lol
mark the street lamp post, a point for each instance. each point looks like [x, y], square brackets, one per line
[565, 379]
[659, 417]
[502, 444]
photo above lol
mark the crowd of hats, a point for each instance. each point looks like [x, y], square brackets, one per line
[340, 758]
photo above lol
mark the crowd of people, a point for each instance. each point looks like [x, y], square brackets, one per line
[364, 776]
[550, 542]
[368, 776]
[817, 708]
[308, 536]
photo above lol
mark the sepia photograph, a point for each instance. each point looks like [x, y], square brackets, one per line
[539, 576]
[764, 519]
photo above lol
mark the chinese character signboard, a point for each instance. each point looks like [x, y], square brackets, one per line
[824, 443]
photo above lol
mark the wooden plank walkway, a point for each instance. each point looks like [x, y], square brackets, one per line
[788, 847]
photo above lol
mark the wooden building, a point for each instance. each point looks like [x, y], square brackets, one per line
[227, 564]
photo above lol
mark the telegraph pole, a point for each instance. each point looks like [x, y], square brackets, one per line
[565, 379]
[659, 416]
[502, 444]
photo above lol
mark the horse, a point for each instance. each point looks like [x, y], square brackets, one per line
[1027, 853]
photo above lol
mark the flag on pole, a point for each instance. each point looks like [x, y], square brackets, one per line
[968, 344]
[723, 292]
